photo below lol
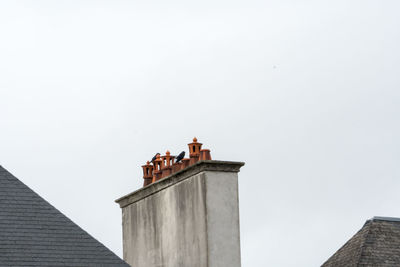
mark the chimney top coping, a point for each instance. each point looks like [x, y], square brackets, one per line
[200, 166]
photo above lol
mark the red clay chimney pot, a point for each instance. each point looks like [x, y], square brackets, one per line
[205, 154]
[157, 168]
[167, 162]
[185, 163]
[147, 173]
[194, 151]
[177, 167]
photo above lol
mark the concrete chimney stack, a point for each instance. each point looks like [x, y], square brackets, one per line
[188, 218]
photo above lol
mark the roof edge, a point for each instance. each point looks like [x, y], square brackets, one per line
[382, 218]
[200, 166]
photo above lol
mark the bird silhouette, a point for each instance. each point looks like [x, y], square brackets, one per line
[154, 158]
[180, 156]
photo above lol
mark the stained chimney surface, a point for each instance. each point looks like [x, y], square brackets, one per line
[188, 216]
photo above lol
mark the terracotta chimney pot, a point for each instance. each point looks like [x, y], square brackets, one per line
[164, 166]
[177, 167]
[185, 163]
[167, 162]
[194, 151]
[205, 154]
[157, 163]
[147, 173]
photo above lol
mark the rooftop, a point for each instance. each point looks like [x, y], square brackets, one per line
[377, 243]
[34, 233]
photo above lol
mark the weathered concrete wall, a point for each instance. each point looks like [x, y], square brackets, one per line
[188, 219]
[168, 228]
[222, 206]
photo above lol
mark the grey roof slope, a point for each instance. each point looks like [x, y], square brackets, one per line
[34, 233]
[376, 244]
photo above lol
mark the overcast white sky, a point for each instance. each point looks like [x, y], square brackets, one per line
[307, 93]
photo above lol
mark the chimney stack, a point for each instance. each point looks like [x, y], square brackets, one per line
[188, 216]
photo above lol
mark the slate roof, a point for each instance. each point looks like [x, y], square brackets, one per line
[34, 233]
[376, 244]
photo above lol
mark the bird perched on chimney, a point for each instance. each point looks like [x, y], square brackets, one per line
[155, 156]
[180, 156]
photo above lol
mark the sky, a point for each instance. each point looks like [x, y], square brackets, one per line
[306, 93]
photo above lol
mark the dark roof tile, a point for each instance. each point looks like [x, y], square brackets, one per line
[34, 233]
[376, 244]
